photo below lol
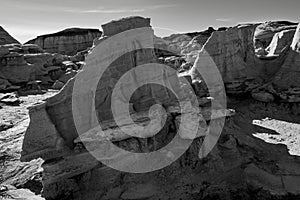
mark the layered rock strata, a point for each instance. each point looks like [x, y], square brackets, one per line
[67, 42]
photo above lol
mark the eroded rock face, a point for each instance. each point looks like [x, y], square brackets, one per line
[6, 38]
[288, 76]
[232, 52]
[67, 42]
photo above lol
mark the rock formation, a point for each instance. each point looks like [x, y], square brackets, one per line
[24, 64]
[67, 42]
[61, 139]
[5, 38]
[239, 166]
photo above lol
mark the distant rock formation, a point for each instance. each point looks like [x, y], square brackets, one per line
[6, 38]
[67, 42]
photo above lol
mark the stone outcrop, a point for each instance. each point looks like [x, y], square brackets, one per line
[6, 38]
[232, 52]
[67, 42]
[243, 70]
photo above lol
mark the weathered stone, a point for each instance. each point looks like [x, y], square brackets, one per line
[46, 145]
[263, 96]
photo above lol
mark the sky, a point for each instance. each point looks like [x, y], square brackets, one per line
[26, 19]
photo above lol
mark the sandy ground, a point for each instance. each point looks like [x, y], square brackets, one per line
[282, 132]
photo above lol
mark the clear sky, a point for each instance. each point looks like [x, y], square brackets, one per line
[25, 19]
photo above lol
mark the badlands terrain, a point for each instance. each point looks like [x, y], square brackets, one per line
[257, 155]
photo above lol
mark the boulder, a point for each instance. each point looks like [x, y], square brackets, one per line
[263, 97]
[67, 42]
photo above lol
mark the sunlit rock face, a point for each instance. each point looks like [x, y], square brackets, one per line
[280, 42]
[59, 107]
[6, 38]
[67, 42]
[266, 31]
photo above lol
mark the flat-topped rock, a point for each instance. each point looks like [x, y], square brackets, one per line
[118, 26]
[68, 42]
